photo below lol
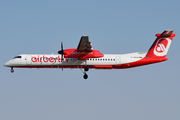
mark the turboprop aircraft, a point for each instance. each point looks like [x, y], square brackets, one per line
[84, 57]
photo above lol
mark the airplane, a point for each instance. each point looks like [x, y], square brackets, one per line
[84, 57]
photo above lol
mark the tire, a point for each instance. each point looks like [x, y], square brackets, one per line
[85, 76]
[86, 68]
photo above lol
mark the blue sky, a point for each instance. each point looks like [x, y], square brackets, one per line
[38, 27]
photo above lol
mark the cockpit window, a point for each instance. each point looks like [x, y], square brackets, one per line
[17, 57]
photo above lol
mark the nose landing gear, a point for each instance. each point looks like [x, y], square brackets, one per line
[12, 70]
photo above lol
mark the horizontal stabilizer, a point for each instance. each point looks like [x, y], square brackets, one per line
[166, 33]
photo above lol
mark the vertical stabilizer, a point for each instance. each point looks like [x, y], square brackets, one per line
[161, 45]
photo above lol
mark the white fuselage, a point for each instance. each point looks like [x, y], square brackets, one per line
[55, 61]
[85, 57]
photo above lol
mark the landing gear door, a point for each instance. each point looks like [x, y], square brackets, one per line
[118, 60]
[28, 59]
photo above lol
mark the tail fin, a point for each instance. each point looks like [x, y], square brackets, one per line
[161, 45]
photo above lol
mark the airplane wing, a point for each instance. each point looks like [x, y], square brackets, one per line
[84, 44]
[83, 51]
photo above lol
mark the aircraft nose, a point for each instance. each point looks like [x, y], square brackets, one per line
[7, 64]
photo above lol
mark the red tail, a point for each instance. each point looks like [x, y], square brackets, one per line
[161, 45]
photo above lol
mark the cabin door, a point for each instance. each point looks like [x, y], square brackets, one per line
[118, 60]
[28, 59]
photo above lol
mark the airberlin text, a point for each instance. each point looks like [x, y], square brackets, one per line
[48, 59]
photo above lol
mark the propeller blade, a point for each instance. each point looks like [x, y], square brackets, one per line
[61, 51]
[61, 45]
[61, 57]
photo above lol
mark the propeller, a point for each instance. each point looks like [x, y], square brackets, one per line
[61, 51]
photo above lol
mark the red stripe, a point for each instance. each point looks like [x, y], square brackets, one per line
[144, 61]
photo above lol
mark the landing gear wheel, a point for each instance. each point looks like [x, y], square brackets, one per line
[86, 68]
[12, 70]
[85, 76]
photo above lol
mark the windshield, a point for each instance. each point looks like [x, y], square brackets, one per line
[17, 57]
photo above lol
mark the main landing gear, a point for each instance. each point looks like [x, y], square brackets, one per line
[86, 68]
[12, 70]
[85, 76]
